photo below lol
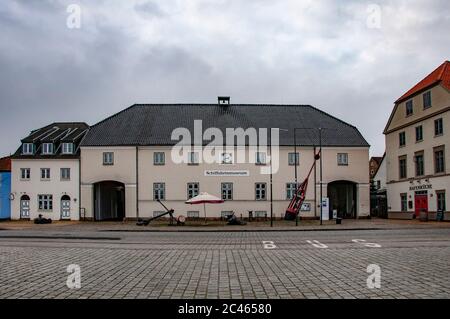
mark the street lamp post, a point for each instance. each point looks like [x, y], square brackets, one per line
[295, 155]
[271, 190]
[320, 152]
[295, 168]
[271, 175]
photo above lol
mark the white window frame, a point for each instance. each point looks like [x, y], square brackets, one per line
[25, 174]
[404, 200]
[426, 97]
[227, 192]
[259, 188]
[223, 158]
[108, 158]
[441, 201]
[161, 189]
[193, 158]
[159, 158]
[67, 148]
[45, 202]
[47, 148]
[438, 126]
[419, 168]
[193, 189]
[45, 174]
[419, 133]
[260, 158]
[402, 139]
[439, 167]
[292, 157]
[409, 102]
[402, 159]
[27, 149]
[63, 175]
[291, 188]
[342, 159]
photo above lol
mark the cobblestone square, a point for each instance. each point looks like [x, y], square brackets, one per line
[414, 263]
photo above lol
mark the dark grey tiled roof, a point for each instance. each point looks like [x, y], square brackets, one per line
[56, 133]
[152, 124]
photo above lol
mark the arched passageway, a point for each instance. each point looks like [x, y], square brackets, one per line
[109, 200]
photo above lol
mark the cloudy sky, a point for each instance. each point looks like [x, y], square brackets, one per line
[340, 56]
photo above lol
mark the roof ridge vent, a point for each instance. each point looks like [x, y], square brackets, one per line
[223, 100]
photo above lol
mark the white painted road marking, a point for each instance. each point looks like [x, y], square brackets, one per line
[317, 244]
[269, 244]
[365, 243]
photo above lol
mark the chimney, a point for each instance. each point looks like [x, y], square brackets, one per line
[224, 100]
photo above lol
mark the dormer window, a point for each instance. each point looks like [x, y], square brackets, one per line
[27, 149]
[67, 148]
[47, 148]
[409, 108]
[426, 99]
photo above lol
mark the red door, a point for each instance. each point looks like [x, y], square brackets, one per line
[420, 202]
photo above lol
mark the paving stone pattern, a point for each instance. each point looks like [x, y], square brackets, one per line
[228, 265]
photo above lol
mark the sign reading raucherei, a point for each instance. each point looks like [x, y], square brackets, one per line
[237, 173]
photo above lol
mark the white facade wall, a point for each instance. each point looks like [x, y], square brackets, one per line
[176, 177]
[434, 181]
[395, 189]
[93, 171]
[54, 186]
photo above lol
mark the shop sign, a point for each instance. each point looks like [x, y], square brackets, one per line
[420, 187]
[227, 173]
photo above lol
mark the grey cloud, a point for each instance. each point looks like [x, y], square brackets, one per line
[316, 52]
[149, 9]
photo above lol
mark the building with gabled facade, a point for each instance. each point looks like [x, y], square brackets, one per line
[46, 173]
[417, 149]
[127, 164]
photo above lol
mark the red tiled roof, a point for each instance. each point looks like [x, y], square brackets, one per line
[441, 74]
[5, 164]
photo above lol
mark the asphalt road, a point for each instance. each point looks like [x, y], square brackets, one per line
[411, 263]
